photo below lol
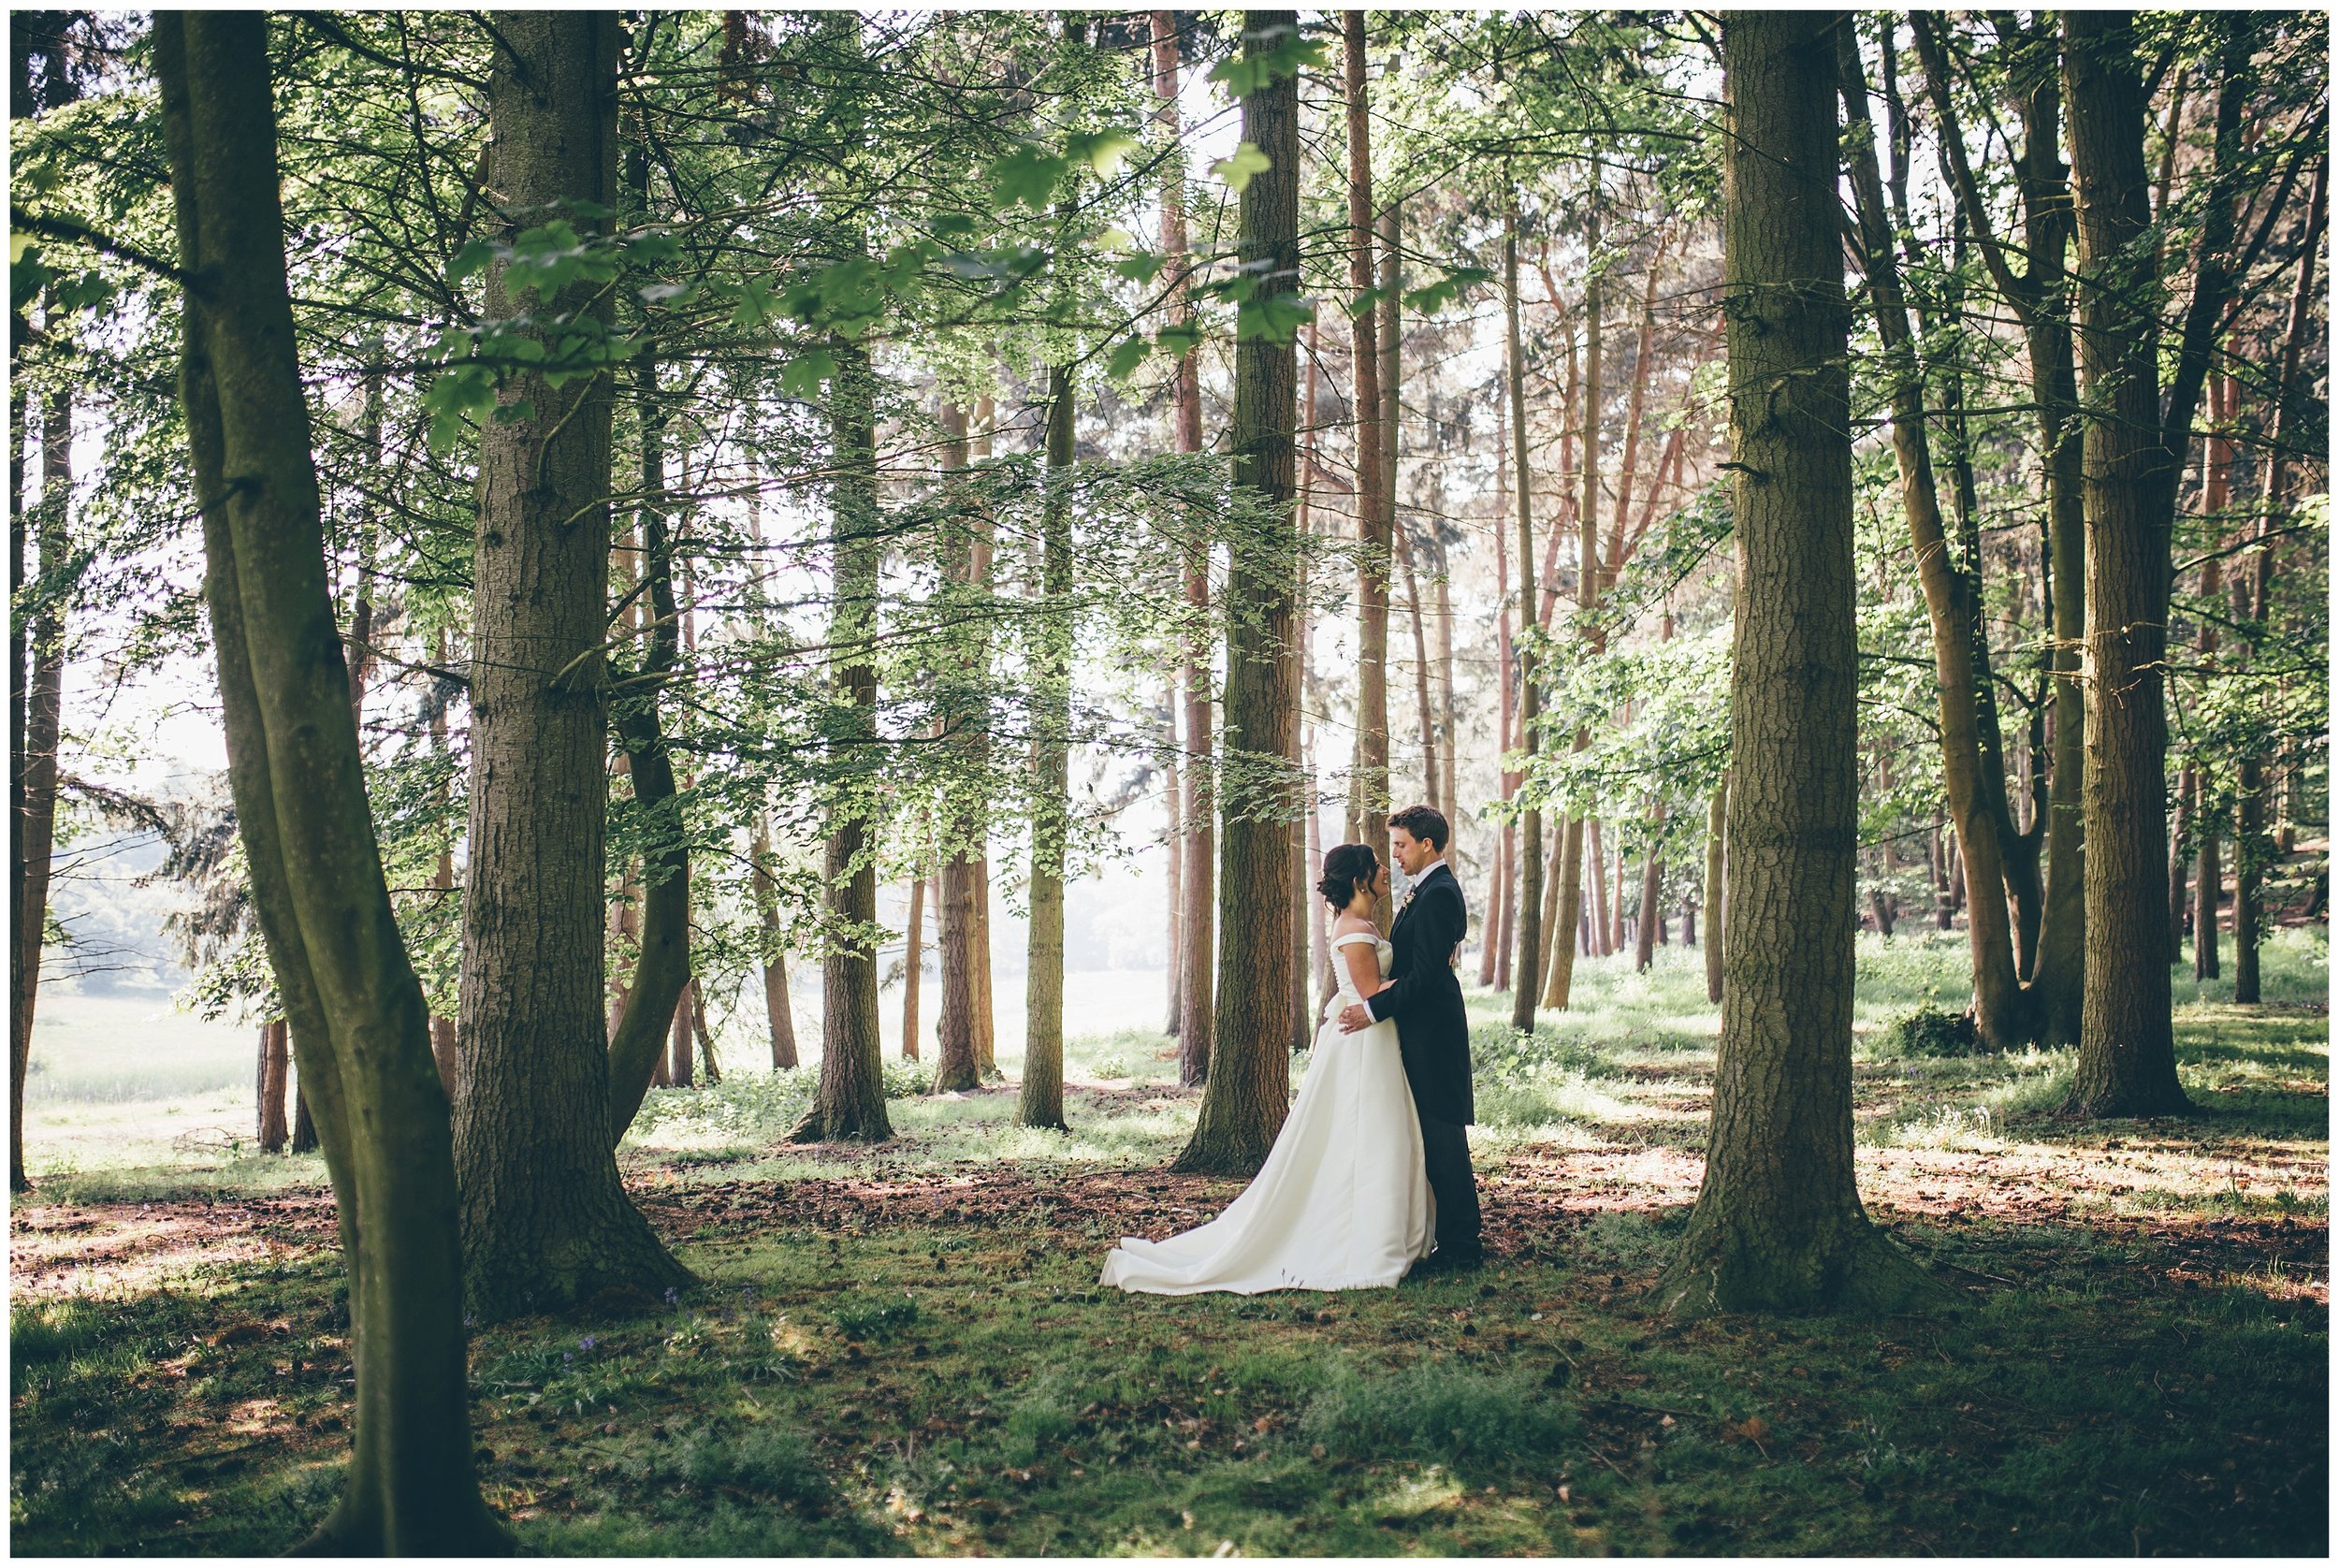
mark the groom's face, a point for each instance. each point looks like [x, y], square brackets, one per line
[1410, 853]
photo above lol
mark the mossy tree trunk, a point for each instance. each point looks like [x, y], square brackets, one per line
[1778, 1225]
[545, 1221]
[1247, 1093]
[360, 1023]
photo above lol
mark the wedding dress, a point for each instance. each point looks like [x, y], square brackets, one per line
[1342, 1202]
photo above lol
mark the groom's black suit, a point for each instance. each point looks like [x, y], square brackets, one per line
[1424, 996]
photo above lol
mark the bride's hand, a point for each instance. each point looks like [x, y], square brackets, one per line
[1355, 1017]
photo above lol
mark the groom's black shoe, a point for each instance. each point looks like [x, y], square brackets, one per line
[1446, 1261]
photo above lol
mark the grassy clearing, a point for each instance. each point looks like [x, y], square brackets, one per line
[903, 1350]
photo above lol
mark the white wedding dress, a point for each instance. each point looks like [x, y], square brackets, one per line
[1342, 1202]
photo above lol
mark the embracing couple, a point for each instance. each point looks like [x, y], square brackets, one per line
[1372, 1162]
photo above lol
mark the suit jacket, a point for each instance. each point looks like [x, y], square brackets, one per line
[1424, 996]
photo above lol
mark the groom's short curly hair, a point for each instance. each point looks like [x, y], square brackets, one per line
[1425, 822]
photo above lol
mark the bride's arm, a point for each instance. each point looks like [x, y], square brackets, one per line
[1364, 960]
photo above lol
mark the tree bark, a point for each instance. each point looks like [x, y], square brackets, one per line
[680, 1060]
[1651, 876]
[545, 1219]
[1174, 856]
[361, 1025]
[1778, 1224]
[1449, 797]
[2208, 888]
[1198, 933]
[1040, 1102]
[966, 1010]
[35, 838]
[2126, 1047]
[765, 893]
[913, 960]
[1494, 960]
[2180, 863]
[849, 1104]
[1247, 1093]
[1368, 778]
[275, 1069]
[1528, 901]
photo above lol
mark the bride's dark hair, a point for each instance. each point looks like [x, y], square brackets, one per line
[1346, 868]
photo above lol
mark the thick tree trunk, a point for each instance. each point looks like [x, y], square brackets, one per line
[1527, 899]
[1040, 1101]
[850, 1101]
[275, 1070]
[2126, 1049]
[361, 1025]
[1197, 927]
[680, 1060]
[545, 1219]
[1778, 1225]
[1247, 1093]
[774, 963]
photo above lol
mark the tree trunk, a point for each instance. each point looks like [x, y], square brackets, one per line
[19, 1038]
[1173, 855]
[361, 1027]
[1494, 966]
[275, 1069]
[1449, 797]
[1552, 930]
[1971, 778]
[983, 1018]
[36, 822]
[2207, 887]
[1652, 924]
[1778, 1225]
[1198, 933]
[545, 1219]
[680, 1061]
[774, 962]
[1421, 672]
[850, 1101]
[1319, 938]
[2180, 861]
[1040, 1101]
[913, 960]
[965, 1017]
[1247, 1094]
[1528, 890]
[442, 881]
[2127, 1049]
[1604, 928]
[1368, 778]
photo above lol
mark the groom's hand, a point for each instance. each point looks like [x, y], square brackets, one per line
[1355, 1017]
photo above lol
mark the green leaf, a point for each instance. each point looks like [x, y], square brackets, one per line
[1141, 268]
[473, 258]
[804, 374]
[512, 413]
[1238, 169]
[954, 226]
[1276, 319]
[1269, 57]
[1178, 342]
[1027, 175]
[1126, 356]
[1367, 302]
[652, 248]
[1103, 151]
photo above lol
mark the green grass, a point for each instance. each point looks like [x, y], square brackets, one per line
[903, 1350]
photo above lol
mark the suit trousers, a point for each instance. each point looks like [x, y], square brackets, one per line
[1446, 1151]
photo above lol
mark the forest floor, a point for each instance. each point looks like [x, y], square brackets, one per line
[903, 1350]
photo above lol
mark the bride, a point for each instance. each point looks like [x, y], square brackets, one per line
[1342, 1202]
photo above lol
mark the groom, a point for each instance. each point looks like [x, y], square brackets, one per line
[1425, 999]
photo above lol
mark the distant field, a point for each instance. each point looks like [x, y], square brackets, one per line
[129, 1080]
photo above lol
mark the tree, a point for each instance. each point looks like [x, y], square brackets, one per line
[361, 1025]
[965, 1021]
[1247, 1092]
[1778, 1224]
[545, 1221]
[1526, 885]
[1039, 1101]
[850, 1100]
[2126, 1047]
[1368, 787]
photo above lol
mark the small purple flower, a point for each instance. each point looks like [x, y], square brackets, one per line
[586, 1343]
[674, 1297]
[568, 1355]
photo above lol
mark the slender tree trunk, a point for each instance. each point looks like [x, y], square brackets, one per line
[1040, 1101]
[1529, 889]
[1247, 1093]
[966, 1011]
[361, 1025]
[913, 960]
[1652, 925]
[1421, 671]
[1173, 855]
[1449, 797]
[1604, 927]
[2181, 861]
[850, 1103]
[1971, 778]
[19, 1038]
[2126, 1049]
[1368, 778]
[1553, 932]
[275, 1069]
[1495, 968]
[545, 1219]
[2207, 887]
[2251, 849]
[1779, 1226]
[1319, 938]
[1198, 933]
[774, 961]
[36, 824]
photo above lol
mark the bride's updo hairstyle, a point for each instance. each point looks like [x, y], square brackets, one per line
[1346, 868]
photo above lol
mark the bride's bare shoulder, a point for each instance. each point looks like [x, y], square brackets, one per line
[1348, 925]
